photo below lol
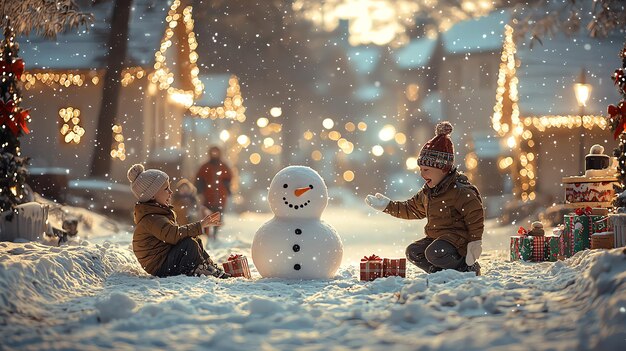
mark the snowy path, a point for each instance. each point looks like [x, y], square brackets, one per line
[96, 296]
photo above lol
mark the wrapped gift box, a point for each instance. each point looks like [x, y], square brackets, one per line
[394, 267]
[579, 228]
[237, 266]
[603, 240]
[618, 223]
[371, 268]
[521, 248]
[539, 248]
[552, 248]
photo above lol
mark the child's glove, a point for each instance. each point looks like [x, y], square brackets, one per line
[474, 249]
[378, 202]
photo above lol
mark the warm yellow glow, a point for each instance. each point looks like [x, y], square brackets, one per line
[276, 111]
[255, 158]
[71, 127]
[308, 135]
[411, 163]
[348, 176]
[387, 133]
[262, 122]
[350, 127]
[118, 150]
[316, 155]
[400, 138]
[224, 135]
[471, 161]
[268, 142]
[377, 150]
[243, 140]
[583, 92]
[334, 135]
[182, 98]
[328, 123]
[412, 91]
[362, 126]
[511, 142]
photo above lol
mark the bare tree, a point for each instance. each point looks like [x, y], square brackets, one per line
[115, 58]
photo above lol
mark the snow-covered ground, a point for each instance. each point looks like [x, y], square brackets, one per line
[93, 294]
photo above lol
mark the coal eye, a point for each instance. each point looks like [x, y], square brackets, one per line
[310, 186]
[285, 186]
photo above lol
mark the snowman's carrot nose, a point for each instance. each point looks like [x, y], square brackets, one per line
[301, 191]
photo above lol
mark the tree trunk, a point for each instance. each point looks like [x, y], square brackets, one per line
[117, 45]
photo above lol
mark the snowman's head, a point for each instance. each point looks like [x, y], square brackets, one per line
[298, 192]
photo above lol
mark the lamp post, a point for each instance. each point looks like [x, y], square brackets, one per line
[582, 91]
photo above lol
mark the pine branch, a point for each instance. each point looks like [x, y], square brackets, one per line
[44, 17]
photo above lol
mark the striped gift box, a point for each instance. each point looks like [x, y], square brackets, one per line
[237, 266]
[539, 248]
[371, 268]
[394, 267]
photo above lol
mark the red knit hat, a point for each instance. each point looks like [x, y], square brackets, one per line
[438, 152]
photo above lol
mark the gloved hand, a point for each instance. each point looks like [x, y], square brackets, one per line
[378, 202]
[474, 249]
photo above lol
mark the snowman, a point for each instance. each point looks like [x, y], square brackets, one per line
[296, 244]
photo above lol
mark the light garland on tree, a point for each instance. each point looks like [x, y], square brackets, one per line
[518, 132]
[74, 132]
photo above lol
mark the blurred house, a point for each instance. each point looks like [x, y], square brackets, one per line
[160, 86]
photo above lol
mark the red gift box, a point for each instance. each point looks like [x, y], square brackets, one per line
[394, 267]
[371, 268]
[237, 266]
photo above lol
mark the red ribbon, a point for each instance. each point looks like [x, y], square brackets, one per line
[18, 120]
[371, 258]
[522, 231]
[233, 257]
[17, 67]
[583, 211]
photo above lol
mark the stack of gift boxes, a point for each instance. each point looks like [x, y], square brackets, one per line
[373, 267]
[574, 235]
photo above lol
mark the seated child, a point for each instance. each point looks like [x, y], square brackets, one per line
[452, 206]
[162, 247]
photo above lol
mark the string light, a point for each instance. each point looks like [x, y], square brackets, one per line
[71, 125]
[519, 132]
[119, 149]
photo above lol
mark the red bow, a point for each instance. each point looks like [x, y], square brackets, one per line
[583, 211]
[522, 231]
[371, 258]
[618, 112]
[17, 67]
[18, 119]
[233, 257]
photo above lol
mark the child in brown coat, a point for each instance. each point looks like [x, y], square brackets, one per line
[162, 247]
[452, 206]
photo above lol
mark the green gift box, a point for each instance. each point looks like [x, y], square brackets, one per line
[552, 248]
[521, 248]
[579, 229]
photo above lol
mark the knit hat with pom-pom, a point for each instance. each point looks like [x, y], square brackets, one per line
[438, 152]
[145, 183]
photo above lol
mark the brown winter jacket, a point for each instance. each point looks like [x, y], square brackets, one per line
[453, 208]
[156, 232]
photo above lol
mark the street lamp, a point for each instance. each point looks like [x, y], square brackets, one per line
[582, 91]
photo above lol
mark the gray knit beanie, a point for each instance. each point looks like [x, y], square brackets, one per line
[145, 183]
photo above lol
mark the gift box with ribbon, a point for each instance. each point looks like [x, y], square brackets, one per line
[237, 266]
[394, 267]
[580, 226]
[539, 248]
[522, 246]
[371, 267]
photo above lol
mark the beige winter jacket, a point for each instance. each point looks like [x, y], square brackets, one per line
[156, 232]
[453, 208]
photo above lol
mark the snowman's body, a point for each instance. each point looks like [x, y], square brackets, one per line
[296, 244]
